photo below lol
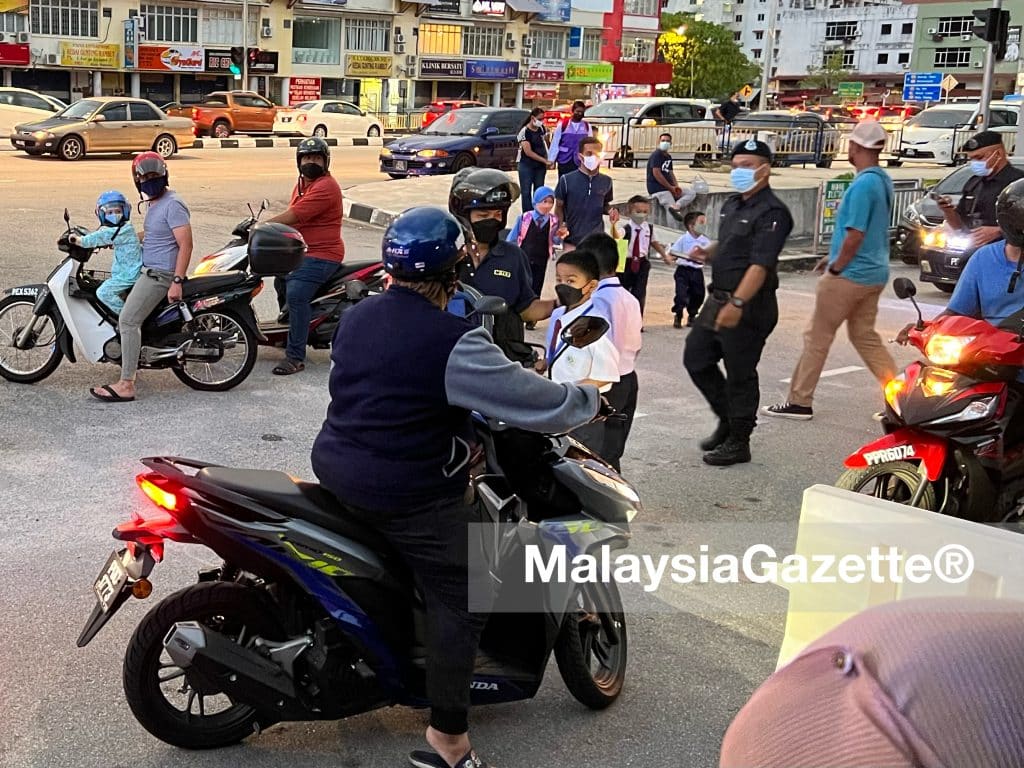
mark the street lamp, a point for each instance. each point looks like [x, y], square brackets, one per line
[681, 31]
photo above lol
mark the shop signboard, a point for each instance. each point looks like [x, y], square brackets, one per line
[15, 53]
[368, 65]
[98, 55]
[442, 68]
[555, 11]
[218, 60]
[550, 70]
[576, 43]
[489, 69]
[489, 7]
[302, 89]
[602, 72]
[265, 62]
[131, 42]
[445, 6]
[831, 197]
[169, 58]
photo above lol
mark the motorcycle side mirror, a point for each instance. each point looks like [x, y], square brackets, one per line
[356, 289]
[264, 205]
[490, 305]
[584, 331]
[67, 217]
[904, 288]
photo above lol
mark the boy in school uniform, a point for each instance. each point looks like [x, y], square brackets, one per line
[639, 236]
[689, 254]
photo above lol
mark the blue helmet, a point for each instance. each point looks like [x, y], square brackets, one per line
[113, 209]
[423, 243]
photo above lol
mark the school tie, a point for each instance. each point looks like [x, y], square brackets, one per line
[555, 337]
[634, 262]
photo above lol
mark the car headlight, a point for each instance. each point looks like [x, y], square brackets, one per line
[935, 239]
[432, 153]
[42, 135]
[911, 214]
[385, 152]
[946, 350]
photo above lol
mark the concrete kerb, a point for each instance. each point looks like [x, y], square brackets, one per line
[270, 141]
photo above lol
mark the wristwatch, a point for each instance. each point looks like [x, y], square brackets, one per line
[737, 302]
[833, 271]
[178, 279]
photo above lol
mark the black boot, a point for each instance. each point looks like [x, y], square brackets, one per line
[716, 438]
[732, 451]
[678, 321]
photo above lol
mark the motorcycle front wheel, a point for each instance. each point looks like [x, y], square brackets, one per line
[235, 361]
[160, 694]
[27, 366]
[893, 481]
[592, 666]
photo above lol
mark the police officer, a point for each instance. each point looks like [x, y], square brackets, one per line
[992, 172]
[741, 310]
[480, 199]
[395, 446]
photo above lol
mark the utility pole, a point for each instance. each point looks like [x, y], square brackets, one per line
[990, 64]
[245, 45]
[769, 51]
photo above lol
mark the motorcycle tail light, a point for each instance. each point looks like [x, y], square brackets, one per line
[163, 495]
[257, 290]
[946, 350]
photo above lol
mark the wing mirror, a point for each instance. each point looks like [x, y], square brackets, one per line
[490, 131]
[489, 305]
[98, 119]
[584, 331]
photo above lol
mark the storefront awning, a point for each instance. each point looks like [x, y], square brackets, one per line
[642, 72]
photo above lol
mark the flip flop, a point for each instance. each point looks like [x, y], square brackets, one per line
[424, 759]
[288, 367]
[111, 396]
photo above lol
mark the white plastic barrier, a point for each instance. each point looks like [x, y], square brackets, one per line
[836, 523]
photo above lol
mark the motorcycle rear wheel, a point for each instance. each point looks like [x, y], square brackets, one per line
[893, 481]
[593, 669]
[42, 358]
[233, 609]
[235, 365]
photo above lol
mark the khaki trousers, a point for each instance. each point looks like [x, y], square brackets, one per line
[839, 300]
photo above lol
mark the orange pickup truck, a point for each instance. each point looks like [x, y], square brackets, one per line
[227, 112]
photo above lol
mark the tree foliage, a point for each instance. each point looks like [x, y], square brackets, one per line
[828, 76]
[719, 67]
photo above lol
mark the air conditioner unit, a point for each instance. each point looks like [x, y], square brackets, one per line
[23, 37]
[938, 38]
[967, 38]
[510, 43]
[410, 61]
[399, 38]
[933, 31]
[978, 65]
[266, 32]
[906, 65]
[399, 48]
[52, 58]
[528, 49]
[4, 38]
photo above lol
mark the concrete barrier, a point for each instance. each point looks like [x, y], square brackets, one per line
[836, 523]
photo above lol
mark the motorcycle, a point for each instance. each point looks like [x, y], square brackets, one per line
[330, 300]
[952, 442]
[311, 616]
[208, 339]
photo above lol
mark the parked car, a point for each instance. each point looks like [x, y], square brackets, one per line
[177, 109]
[644, 111]
[803, 137]
[19, 105]
[483, 136]
[445, 106]
[225, 112]
[105, 124]
[327, 117]
[929, 136]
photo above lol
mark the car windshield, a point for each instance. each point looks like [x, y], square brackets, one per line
[941, 118]
[613, 109]
[954, 183]
[306, 105]
[80, 109]
[458, 122]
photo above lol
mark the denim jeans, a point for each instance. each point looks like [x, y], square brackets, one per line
[300, 287]
[531, 178]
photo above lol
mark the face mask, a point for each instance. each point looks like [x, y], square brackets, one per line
[591, 162]
[638, 218]
[486, 230]
[980, 168]
[153, 188]
[576, 117]
[312, 170]
[665, 146]
[699, 229]
[568, 296]
[538, 123]
[743, 179]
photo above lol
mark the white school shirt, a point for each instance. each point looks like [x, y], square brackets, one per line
[622, 311]
[598, 361]
[685, 245]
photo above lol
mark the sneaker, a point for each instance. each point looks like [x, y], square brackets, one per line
[732, 451]
[423, 759]
[789, 411]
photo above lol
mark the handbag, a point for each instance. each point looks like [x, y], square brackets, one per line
[708, 315]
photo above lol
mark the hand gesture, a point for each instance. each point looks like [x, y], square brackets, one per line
[944, 202]
[563, 232]
[984, 235]
[613, 215]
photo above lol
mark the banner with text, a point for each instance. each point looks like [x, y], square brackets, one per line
[302, 89]
[171, 59]
[99, 55]
[368, 65]
[589, 73]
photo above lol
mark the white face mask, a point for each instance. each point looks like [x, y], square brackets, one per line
[538, 123]
[665, 146]
[591, 162]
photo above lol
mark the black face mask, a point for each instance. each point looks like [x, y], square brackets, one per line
[576, 117]
[312, 170]
[568, 296]
[486, 231]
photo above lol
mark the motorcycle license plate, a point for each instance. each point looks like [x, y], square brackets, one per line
[111, 581]
[401, 165]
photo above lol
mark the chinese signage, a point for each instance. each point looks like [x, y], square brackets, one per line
[131, 42]
[555, 10]
[14, 54]
[218, 60]
[446, 6]
[487, 69]
[100, 55]
[367, 65]
[302, 89]
[442, 68]
[266, 61]
[545, 69]
[489, 7]
[589, 73]
[171, 59]
[834, 191]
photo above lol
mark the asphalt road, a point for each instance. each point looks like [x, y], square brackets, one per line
[68, 464]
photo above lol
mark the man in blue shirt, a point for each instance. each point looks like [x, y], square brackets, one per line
[583, 197]
[857, 271]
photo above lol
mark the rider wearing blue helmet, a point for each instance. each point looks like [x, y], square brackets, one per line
[395, 447]
[114, 211]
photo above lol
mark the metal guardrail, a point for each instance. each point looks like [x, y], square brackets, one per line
[792, 144]
[962, 135]
[905, 192]
[399, 121]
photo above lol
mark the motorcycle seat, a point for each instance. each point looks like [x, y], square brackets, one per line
[345, 271]
[210, 283]
[305, 501]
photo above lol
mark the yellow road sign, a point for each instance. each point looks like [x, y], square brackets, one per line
[746, 92]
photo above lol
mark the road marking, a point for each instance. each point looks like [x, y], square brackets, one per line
[834, 372]
[639, 415]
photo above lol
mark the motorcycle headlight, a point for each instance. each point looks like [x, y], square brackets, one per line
[618, 486]
[946, 350]
[937, 382]
[979, 409]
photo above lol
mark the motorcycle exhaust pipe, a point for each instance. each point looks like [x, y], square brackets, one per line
[220, 664]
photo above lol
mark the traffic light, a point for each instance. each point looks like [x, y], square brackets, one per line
[254, 55]
[993, 26]
[237, 59]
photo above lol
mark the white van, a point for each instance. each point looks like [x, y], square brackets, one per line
[629, 127]
[928, 136]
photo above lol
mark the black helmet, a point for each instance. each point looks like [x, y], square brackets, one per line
[481, 189]
[1010, 213]
[423, 243]
[314, 145]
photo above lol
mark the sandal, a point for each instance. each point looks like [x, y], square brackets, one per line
[111, 396]
[424, 759]
[288, 367]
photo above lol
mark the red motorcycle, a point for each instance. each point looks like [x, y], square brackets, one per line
[954, 439]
